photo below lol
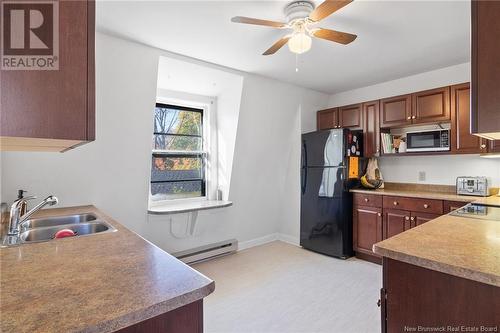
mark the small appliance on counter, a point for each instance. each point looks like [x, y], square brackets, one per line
[477, 186]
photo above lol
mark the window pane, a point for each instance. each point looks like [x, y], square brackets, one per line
[175, 190]
[172, 121]
[170, 142]
[175, 168]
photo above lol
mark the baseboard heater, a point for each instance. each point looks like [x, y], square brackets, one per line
[207, 252]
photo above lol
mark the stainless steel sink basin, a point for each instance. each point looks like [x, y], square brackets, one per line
[42, 234]
[57, 221]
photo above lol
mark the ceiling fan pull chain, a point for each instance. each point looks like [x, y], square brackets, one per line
[296, 62]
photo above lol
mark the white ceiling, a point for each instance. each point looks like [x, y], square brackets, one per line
[395, 38]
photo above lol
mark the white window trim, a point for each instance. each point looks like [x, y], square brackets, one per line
[209, 200]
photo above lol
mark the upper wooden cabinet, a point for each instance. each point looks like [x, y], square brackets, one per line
[485, 34]
[431, 106]
[350, 116]
[327, 119]
[53, 110]
[395, 111]
[346, 116]
[462, 142]
[371, 129]
[423, 107]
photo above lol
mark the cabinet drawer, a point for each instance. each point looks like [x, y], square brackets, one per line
[370, 200]
[414, 204]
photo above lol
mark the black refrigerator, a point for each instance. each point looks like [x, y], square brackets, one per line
[326, 203]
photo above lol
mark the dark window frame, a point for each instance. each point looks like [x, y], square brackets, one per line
[180, 154]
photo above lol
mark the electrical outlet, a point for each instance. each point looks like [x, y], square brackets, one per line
[421, 176]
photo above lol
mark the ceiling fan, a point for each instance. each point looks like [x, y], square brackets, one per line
[301, 16]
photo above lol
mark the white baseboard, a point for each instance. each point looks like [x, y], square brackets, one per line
[267, 239]
[288, 239]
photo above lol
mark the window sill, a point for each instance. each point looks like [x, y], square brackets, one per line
[186, 207]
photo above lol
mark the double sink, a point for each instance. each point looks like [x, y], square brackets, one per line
[44, 229]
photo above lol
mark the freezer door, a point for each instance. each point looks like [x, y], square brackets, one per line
[325, 218]
[323, 148]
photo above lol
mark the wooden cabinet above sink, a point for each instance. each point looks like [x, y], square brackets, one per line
[54, 110]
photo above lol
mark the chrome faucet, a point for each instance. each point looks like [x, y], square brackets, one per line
[16, 219]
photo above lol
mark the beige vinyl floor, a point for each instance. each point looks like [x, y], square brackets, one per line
[278, 287]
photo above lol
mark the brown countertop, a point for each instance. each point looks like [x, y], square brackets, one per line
[464, 247]
[418, 194]
[493, 200]
[98, 283]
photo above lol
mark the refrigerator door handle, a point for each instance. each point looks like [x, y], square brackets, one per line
[304, 154]
[304, 168]
[304, 180]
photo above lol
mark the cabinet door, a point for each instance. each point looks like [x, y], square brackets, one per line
[395, 111]
[420, 218]
[371, 129]
[55, 104]
[431, 106]
[327, 119]
[367, 228]
[461, 139]
[485, 67]
[350, 116]
[395, 222]
[493, 146]
[449, 206]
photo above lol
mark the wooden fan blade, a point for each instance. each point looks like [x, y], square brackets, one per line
[327, 8]
[334, 36]
[249, 20]
[278, 45]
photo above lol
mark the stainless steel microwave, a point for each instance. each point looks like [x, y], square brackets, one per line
[432, 140]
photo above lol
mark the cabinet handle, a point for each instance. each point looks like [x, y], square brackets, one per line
[412, 218]
[408, 118]
[379, 214]
[413, 117]
[366, 200]
[426, 206]
[407, 218]
[483, 146]
[395, 203]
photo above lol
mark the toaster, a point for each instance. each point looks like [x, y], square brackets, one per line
[477, 186]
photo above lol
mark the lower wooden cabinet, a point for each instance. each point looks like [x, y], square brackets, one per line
[449, 206]
[375, 218]
[395, 222]
[186, 319]
[417, 219]
[414, 297]
[367, 228]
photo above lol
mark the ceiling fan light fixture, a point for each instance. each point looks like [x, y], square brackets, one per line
[299, 43]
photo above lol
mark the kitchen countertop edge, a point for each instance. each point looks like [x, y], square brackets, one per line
[438, 266]
[417, 194]
[138, 316]
[202, 288]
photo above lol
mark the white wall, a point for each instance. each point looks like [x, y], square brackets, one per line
[113, 172]
[428, 80]
[439, 169]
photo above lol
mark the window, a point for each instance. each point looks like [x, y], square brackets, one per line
[178, 164]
